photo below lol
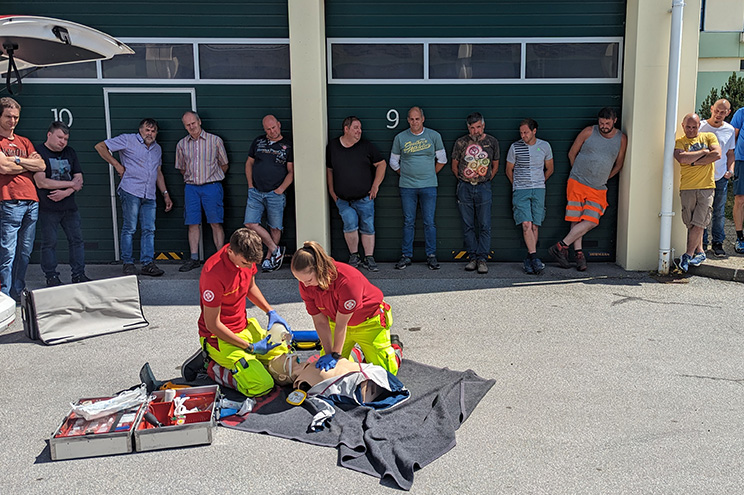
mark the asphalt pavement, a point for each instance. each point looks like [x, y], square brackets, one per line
[607, 382]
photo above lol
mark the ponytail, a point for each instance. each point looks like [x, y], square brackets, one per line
[311, 256]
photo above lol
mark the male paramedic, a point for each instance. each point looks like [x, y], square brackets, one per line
[230, 338]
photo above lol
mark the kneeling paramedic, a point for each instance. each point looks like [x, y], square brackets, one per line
[231, 339]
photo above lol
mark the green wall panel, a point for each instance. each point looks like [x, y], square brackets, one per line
[497, 18]
[167, 18]
[561, 111]
[232, 112]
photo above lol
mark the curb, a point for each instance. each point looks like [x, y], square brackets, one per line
[718, 272]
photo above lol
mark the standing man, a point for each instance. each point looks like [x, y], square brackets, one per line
[269, 170]
[19, 203]
[230, 338]
[140, 171]
[724, 170]
[529, 164]
[202, 160]
[475, 161]
[417, 156]
[696, 153]
[57, 186]
[738, 123]
[597, 155]
[355, 170]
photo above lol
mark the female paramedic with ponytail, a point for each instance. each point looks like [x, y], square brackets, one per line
[346, 309]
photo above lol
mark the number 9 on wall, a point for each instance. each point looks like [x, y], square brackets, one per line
[63, 115]
[393, 118]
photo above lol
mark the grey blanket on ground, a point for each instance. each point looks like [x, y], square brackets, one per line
[390, 444]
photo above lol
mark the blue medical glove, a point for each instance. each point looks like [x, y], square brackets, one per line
[275, 318]
[263, 346]
[326, 362]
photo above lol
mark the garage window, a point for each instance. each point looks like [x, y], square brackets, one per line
[572, 60]
[474, 60]
[152, 61]
[377, 61]
[83, 70]
[240, 61]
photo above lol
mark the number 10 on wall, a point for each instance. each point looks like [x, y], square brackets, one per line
[63, 115]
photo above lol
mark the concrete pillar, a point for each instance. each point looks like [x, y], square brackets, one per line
[307, 61]
[644, 108]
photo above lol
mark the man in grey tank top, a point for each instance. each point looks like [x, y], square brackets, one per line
[596, 155]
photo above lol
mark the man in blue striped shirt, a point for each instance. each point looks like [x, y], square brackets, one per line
[202, 160]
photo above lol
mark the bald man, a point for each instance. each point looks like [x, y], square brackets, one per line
[696, 153]
[724, 170]
[269, 170]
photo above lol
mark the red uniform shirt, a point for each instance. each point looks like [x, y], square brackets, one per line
[19, 186]
[224, 285]
[351, 292]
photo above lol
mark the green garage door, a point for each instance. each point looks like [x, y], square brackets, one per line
[557, 62]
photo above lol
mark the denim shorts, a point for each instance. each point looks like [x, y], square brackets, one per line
[529, 206]
[271, 202]
[207, 196]
[358, 214]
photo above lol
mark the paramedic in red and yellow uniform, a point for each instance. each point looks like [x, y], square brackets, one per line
[346, 309]
[231, 340]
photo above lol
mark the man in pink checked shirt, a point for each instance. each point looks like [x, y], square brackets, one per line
[202, 160]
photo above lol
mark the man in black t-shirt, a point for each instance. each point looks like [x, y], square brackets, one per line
[355, 170]
[269, 170]
[57, 186]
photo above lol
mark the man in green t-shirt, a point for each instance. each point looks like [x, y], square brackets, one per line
[417, 156]
[696, 153]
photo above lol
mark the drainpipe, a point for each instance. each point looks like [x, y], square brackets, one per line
[667, 181]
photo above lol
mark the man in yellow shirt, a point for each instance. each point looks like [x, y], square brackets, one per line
[696, 153]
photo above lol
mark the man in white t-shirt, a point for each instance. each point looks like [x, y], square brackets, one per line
[529, 163]
[724, 171]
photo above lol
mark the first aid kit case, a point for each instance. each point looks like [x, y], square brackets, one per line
[161, 422]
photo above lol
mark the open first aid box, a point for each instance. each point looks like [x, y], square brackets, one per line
[156, 424]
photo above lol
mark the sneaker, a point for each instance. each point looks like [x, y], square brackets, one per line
[432, 263]
[527, 266]
[80, 279]
[560, 254]
[194, 366]
[369, 263]
[403, 263]
[482, 267]
[580, 262]
[277, 257]
[718, 251]
[471, 266]
[189, 265]
[267, 266]
[698, 259]
[54, 281]
[129, 269]
[152, 270]
[354, 260]
[538, 266]
[739, 246]
[684, 262]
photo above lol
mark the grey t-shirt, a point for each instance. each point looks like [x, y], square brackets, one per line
[529, 163]
[594, 162]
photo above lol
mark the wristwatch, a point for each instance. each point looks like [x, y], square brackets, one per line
[17, 160]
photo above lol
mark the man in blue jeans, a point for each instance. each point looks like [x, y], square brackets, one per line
[141, 176]
[724, 171]
[19, 202]
[269, 171]
[417, 156]
[475, 161]
[57, 186]
[355, 170]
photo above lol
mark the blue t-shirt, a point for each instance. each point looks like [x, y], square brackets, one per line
[738, 122]
[417, 157]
